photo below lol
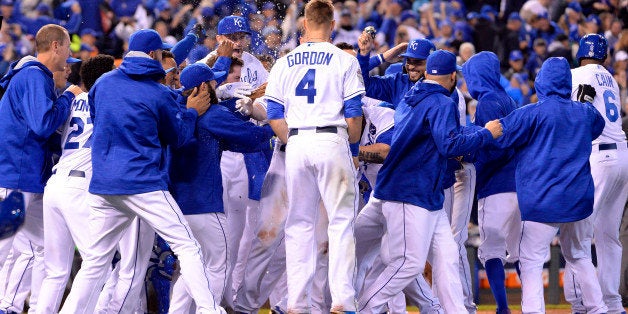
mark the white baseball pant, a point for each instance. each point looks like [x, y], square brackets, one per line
[211, 233]
[457, 205]
[123, 289]
[319, 167]
[609, 169]
[499, 220]
[65, 216]
[575, 238]
[404, 224]
[252, 216]
[5, 248]
[5, 271]
[110, 216]
[28, 271]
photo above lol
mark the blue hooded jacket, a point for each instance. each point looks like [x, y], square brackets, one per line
[195, 175]
[135, 117]
[30, 112]
[553, 141]
[495, 167]
[427, 132]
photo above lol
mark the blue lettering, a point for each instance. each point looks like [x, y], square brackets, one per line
[309, 58]
[328, 58]
[306, 57]
[290, 60]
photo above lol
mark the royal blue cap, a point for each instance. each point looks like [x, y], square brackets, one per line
[146, 40]
[472, 15]
[85, 47]
[162, 6]
[232, 24]
[409, 14]
[268, 6]
[419, 49]
[516, 55]
[514, 16]
[72, 60]
[7, 2]
[487, 8]
[575, 6]
[195, 74]
[207, 11]
[594, 18]
[441, 62]
[43, 8]
[89, 31]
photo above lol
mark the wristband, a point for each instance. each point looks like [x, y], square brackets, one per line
[355, 149]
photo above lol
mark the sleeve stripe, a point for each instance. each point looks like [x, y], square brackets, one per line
[277, 100]
[361, 91]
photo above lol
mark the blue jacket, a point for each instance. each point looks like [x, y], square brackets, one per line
[495, 167]
[389, 88]
[135, 117]
[426, 134]
[196, 180]
[553, 141]
[30, 112]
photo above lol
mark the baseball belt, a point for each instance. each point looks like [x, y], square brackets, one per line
[322, 129]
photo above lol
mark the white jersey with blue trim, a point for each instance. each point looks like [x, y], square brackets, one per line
[462, 108]
[306, 70]
[378, 120]
[76, 137]
[606, 99]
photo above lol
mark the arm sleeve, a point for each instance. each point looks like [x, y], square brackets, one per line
[183, 48]
[353, 83]
[598, 122]
[375, 61]
[237, 135]
[274, 110]
[516, 129]
[353, 107]
[389, 26]
[222, 64]
[376, 86]
[275, 95]
[176, 123]
[448, 135]
[386, 137]
[42, 114]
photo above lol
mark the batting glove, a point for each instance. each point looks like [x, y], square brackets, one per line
[586, 93]
[244, 106]
[231, 90]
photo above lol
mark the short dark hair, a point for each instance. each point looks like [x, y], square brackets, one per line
[49, 33]
[235, 62]
[167, 54]
[345, 46]
[319, 12]
[94, 67]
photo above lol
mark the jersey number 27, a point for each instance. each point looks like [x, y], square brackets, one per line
[306, 86]
[79, 130]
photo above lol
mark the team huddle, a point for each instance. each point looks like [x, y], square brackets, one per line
[225, 191]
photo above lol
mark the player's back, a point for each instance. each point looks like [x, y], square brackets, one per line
[606, 101]
[315, 79]
[76, 137]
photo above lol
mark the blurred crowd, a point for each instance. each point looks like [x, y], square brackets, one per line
[522, 33]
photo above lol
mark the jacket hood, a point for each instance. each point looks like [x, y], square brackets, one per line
[140, 66]
[554, 78]
[16, 66]
[481, 72]
[422, 90]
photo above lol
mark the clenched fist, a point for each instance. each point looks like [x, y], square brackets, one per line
[495, 127]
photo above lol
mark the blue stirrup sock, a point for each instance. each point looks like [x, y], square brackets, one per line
[496, 278]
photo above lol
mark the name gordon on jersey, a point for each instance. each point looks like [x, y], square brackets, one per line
[309, 58]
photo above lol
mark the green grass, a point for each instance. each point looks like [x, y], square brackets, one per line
[493, 307]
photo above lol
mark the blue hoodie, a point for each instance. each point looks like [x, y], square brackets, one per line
[196, 180]
[553, 141]
[134, 118]
[30, 112]
[427, 132]
[495, 167]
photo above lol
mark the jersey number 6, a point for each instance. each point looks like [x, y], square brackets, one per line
[611, 107]
[306, 86]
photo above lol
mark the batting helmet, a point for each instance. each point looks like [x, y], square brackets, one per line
[592, 46]
[11, 214]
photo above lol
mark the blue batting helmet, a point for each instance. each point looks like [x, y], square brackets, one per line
[592, 46]
[11, 214]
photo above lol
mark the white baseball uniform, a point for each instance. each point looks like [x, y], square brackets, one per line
[609, 168]
[308, 83]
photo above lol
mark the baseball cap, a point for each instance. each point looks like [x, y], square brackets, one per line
[419, 49]
[575, 6]
[85, 47]
[594, 18]
[89, 31]
[7, 2]
[232, 24]
[487, 8]
[72, 60]
[146, 40]
[268, 6]
[195, 74]
[441, 62]
[162, 6]
[43, 8]
[207, 11]
[409, 14]
[472, 15]
[514, 16]
[516, 55]
[621, 56]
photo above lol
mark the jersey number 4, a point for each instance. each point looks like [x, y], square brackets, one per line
[78, 122]
[306, 86]
[611, 108]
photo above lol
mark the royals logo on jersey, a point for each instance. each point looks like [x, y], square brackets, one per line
[76, 136]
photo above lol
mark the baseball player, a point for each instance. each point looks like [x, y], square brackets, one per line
[65, 209]
[547, 170]
[411, 207]
[314, 108]
[197, 165]
[132, 126]
[499, 219]
[609, 167]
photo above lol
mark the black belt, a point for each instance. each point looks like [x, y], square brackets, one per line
[322, 129]
[73, 173]
[282, 147]
[608, 146]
